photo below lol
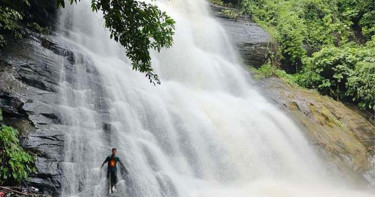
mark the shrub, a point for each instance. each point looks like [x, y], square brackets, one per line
[346, 72]
[361, 85]
[16, 163]
[217, 2]
[268, 70]
[9, 25]
[231, 13]
[313, 23]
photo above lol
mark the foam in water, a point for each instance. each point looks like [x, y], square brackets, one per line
[205, 132]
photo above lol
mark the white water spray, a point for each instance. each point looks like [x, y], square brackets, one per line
[205, 132]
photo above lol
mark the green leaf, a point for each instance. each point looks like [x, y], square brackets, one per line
[20, 163]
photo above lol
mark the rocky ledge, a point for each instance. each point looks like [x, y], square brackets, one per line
[345, 137]
[253, 42]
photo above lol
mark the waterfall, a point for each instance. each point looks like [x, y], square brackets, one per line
[204, 132]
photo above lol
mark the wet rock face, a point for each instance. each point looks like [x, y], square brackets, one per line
[253, 42]
[30, 72]
[344, 137]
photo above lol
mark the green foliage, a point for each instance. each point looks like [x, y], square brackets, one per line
[9, 24]
[264, 71]
[313, 23]
[268, 70]
[16, 164]
[37, 28]
[343, 72]
[139, 27]
[217, 2]
[336, 31]
[360, 13]
[229, 4]
[231, 13]
[14, 16]
[361, 85]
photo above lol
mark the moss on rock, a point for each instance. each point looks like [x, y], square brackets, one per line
[342, 135]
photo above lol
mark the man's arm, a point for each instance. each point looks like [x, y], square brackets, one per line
[105, 161]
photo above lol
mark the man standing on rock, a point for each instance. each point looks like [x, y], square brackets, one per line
[112, 169]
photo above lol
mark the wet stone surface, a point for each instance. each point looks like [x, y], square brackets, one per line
[30, 73]
[253, 42]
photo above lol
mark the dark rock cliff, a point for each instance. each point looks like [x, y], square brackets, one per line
[254, 43]
[29, 77]
[34, 72]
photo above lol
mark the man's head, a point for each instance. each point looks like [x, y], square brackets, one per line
[114, 151]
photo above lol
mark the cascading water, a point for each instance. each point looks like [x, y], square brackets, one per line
[205, 132]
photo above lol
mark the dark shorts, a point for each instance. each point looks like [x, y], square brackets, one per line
[112, 175]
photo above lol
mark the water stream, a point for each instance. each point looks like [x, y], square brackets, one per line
[205, 132]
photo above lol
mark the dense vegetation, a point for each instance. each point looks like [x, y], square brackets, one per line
[326, 45]
[14, 15]
[136, 25]
[16, 163]
[342, 72]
